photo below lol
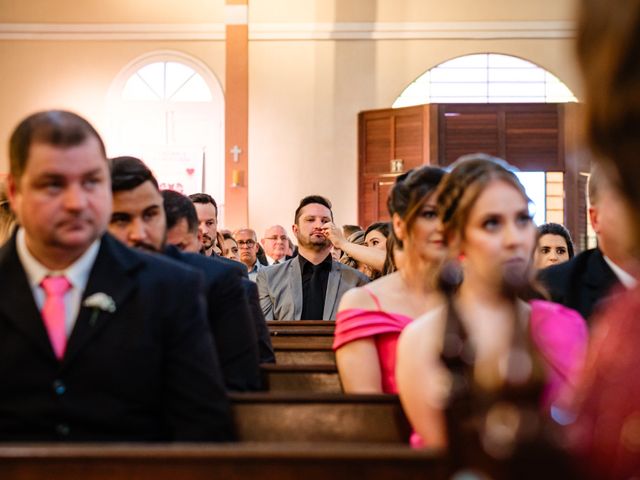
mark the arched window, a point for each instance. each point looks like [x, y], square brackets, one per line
[168, 109]
[485, 78]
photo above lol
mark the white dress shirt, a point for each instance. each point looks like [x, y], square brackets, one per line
[77, 273]
[625, 278]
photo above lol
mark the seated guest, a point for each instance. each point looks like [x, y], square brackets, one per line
[607, 425]
[275, 245]
[232, 247]
[309, 286]
[356, 238]
[375, 258]
[248, 251]
[488, 229]
[97, 342]
[180, 208]
[376, 235]
[370, 318]
[207, 210]
[182, 228]
[139, 220]
[584, 281]
[554, 246]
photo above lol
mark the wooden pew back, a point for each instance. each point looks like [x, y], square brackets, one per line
[270, 417]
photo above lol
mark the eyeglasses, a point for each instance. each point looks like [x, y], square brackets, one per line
[275, 238]
[248, 243]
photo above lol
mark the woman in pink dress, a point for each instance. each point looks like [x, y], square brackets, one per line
[370, 318]
[487, 227]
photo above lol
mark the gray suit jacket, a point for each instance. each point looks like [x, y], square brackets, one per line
[280, 289]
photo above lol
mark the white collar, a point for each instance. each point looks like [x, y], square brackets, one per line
[77, 273]
[625, 278]
[273, 261]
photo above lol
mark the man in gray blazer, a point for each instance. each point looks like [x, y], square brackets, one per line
[309, 286]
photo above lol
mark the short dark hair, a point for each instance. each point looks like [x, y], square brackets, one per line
[58, 128]
[177, 207]
[309, 199]
[557, 229]
[204, 198]
[128, 173]
[410, 190]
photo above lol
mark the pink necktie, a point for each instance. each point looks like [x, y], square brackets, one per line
[53, 312]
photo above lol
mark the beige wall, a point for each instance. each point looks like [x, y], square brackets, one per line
[304, 94]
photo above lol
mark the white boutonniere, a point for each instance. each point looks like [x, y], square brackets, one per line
[100, 302]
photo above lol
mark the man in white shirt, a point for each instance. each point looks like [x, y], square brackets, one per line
[248, 250]
[275, 244]
[111, 344]
[589, 277]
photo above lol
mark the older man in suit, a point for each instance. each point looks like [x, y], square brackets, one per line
[309, 286]
[97, 342]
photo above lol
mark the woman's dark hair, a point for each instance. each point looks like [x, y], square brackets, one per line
[560, 230]
[409, 193]
[390, 261]
[383, 227]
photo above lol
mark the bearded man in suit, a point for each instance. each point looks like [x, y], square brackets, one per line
[139, 220]
[309, 286]
[97, 342]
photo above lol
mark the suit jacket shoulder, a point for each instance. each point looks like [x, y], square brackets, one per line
[581, 282]
[153, 357]
[230, 319]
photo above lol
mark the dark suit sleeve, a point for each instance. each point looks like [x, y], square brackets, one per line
[195, 403]
[234, 333]
[553, 279]
[265, 348]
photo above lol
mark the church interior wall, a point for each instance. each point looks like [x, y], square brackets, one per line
[304, 93]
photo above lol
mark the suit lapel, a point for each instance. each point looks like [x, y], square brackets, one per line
[599, 278]
[17, 302]
[111, 274]
[333, 285]
[295, 287]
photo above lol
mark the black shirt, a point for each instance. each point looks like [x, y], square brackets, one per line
[314, 287]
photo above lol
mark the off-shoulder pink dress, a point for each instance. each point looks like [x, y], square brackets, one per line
[383, 327]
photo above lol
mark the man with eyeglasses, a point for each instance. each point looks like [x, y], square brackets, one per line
[248, 248]
[275, 243]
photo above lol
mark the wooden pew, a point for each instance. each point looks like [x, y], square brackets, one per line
[270, 417]
[301, 378]
[303, 342]
[270, 461]
[282, 437]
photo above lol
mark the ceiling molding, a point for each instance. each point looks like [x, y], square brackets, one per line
[291, 31]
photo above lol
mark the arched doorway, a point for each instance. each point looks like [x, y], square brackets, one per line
[488, 102]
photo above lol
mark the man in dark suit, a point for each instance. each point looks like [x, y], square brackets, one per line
[207, 210]
[181, 217]
[97, 342]
[587, 279]
[139, 220]
[309, 286]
